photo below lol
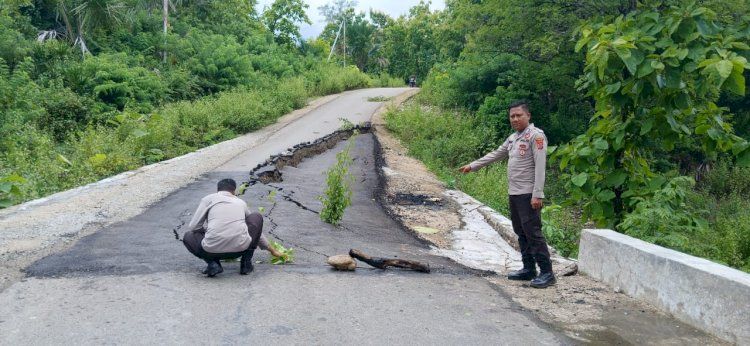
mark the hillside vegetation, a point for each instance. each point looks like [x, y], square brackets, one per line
[643, 103]
[92, 88]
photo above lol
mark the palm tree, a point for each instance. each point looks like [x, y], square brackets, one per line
[87, 16]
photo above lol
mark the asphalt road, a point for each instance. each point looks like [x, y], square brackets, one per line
[133, 283]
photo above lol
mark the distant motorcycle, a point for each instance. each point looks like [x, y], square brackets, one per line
[413, 82]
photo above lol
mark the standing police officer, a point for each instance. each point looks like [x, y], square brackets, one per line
[526, 151]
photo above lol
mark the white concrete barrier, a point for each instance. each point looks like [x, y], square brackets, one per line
[707, 295]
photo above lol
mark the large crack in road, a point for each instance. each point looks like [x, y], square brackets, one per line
[131, 278]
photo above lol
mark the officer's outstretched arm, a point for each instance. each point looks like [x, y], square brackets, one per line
[501, 153]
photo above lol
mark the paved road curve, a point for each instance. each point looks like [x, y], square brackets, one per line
[134, 283]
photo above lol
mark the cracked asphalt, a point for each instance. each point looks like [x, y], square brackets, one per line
[132, 282]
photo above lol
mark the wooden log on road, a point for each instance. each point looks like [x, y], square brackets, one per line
[383, 263]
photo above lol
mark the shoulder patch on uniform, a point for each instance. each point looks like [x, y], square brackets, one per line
[539, 142]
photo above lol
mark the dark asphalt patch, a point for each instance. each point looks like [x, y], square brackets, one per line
[147, 244]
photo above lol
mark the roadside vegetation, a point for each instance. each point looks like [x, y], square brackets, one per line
[89, 89]
[643, 103]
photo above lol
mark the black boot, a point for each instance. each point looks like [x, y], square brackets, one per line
[246, 263]
[528, 271]
[213, 268]
[546, 278]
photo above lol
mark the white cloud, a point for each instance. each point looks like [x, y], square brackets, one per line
[394, 8]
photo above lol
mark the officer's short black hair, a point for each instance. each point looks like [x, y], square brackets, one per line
[520, 103]
[228, 185]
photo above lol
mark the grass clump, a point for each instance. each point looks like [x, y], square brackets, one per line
[379, 98]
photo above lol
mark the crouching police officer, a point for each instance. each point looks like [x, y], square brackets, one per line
[526, 151]
[223, 228]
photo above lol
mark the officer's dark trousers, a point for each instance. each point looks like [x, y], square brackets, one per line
[193, 239]
[527, 223]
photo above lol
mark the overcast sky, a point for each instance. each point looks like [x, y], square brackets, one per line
[394, 8]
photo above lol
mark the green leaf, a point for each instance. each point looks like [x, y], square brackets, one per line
[606, 195]
[586, 151]
[645, 69]
[582, 42]
[713, 133]
[630, 59]
[736, 82]
[743, 159]
[5, 202]
[602, 62]
[740, 45]
[64, 160]
[656, 183]
[612, 88]
[564, 162]
[673, 123]
[724, 68]
[5, 187]
[138, 133]
[673, 78]
[616, 179]
[647, 125]
[698, 11]
[682, 101]
[700, 130]
[739, 147]
[601, 144]
[98, 159]
[682, 53]
[580, 179]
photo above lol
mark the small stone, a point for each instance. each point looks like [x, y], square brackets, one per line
[342, 262]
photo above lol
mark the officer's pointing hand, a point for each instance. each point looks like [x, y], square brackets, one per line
[465, 169]
[536, 203]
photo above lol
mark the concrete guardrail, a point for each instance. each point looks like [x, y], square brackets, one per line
[707, 295]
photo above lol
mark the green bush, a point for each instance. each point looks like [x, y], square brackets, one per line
[219, 61]
[667, 219]
[338, 193]
[730, 231]
[562, 229]
[724, 178]
[109, 79]
[385, 80]
[330, 79]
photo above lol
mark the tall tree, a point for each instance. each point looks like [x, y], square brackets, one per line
[334, 9]
[82, 17]
[282, 19]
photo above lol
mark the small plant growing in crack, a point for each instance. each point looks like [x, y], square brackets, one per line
[241, 189]
[346, 124]
[287, 254]
[338, 193]
[272, 196]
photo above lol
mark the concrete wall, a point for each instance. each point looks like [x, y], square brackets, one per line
[707, 295]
